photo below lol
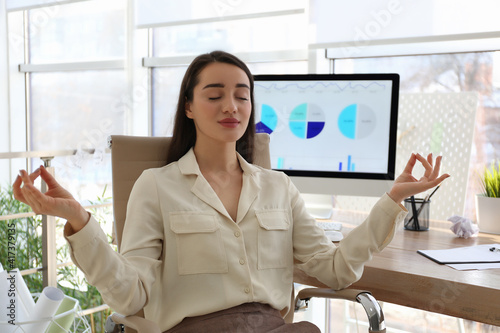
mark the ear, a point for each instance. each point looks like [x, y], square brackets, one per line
[187, 108]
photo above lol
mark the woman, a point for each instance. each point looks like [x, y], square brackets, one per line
[210, 239]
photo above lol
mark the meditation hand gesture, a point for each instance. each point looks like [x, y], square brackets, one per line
[406, 185]
[57, 201]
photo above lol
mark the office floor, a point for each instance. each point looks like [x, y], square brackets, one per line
[398, 319]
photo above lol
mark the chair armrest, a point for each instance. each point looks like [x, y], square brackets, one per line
[141, 325]
[346, 294]
[369, 303]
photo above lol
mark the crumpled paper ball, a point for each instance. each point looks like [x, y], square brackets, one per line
[463, 227]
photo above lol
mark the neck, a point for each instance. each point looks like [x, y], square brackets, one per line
[216, 157]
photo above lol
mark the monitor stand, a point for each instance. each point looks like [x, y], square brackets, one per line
[320, 206]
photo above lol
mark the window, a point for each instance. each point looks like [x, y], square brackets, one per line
[268, 38]
[258, 35]
[460, 72]
[76, 109]
[82, 31]
[76, 81]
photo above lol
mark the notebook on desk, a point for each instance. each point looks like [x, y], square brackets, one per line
[464, 255]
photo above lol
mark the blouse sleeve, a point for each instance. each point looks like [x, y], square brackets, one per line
[340, 266]
[124, 280]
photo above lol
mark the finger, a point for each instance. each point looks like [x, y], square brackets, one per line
[34, 198]
[27, 184]
[428, 173]
[16, 189]
[426, 165]
[29, 190]
[30, 199]
[25, 178]
[435, 182]
[441, 178]
[48, 178]
[425, 186]
[422, 160]
[438, 180]
[410, 164]
[437, 167]
[34, 175]
[28, 187]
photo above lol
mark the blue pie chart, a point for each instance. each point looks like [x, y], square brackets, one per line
[268, 120]
[306, 121]
[357, 121]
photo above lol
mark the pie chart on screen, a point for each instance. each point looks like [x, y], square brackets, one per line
[357, 121]
[306, 121]
[268, 120]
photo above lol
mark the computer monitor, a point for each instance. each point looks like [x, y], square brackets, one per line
[331, 133]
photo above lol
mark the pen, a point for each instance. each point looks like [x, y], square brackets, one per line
[427, 198]
[415, 212]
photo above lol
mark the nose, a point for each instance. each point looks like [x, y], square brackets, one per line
[230, 106]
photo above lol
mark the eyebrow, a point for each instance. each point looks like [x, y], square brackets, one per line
[220, 85]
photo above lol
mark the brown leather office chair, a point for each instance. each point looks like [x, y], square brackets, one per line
[130, 155]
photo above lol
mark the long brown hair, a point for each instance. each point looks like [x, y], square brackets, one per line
[184, 134]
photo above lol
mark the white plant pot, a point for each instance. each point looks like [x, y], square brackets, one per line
[488, 214]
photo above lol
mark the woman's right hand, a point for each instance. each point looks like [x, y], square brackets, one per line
[57, 201]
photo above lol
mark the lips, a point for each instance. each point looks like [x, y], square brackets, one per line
[229, 122]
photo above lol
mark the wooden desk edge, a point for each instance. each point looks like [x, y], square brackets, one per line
[404, 289]
[428, 291]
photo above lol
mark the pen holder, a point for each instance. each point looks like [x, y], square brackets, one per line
[419, 208]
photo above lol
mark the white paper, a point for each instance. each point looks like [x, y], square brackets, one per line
[10, 298]
[45, 307]
[463, 227]
[468, 267]
[5, 315]
[24, 294]
[466, 255]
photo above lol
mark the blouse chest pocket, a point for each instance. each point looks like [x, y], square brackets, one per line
[274, 239]
[200, 248]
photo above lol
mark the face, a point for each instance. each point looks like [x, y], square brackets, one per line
[221, 103]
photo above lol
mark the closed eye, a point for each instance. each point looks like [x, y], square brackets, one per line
[213, 98]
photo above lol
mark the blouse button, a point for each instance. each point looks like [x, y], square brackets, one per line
[247, 290]
[242, 262]
[237, 234]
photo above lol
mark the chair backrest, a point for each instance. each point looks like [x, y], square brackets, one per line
[131, 155]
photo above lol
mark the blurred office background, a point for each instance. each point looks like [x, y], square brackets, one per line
[74, 72]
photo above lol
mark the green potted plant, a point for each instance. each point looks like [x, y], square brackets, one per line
[488, 203]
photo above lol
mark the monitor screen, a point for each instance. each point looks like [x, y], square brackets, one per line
[330, 126]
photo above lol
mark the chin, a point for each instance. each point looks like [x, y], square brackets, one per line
[233, 137]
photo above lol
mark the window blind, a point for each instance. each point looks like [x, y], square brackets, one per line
[364, 23]
[154, 13]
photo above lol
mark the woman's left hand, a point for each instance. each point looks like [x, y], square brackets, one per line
[406, 185]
